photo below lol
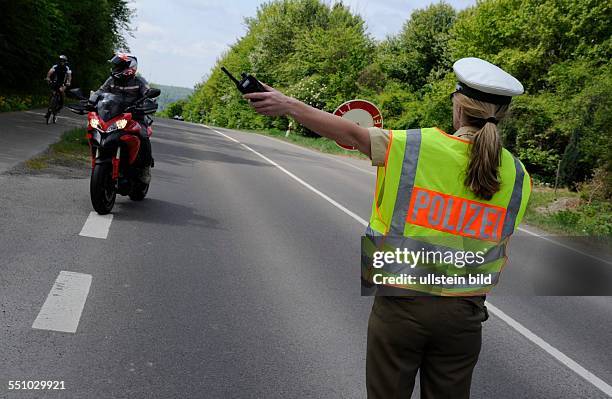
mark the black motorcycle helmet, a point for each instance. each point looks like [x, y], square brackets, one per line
[123, 66]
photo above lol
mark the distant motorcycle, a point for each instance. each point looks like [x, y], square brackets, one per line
[114, 141]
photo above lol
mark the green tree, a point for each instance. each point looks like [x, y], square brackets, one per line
[527, 37]
[421, 48]
[34, 32]
[287, 45]
[559, 49]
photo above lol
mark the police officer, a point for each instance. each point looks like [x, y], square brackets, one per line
[454, 190]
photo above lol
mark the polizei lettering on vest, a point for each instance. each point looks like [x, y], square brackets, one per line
[455, 215]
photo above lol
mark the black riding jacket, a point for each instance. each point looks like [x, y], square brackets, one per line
[132, 89]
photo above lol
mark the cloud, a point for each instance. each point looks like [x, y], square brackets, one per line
[146, 29]
[186, 49]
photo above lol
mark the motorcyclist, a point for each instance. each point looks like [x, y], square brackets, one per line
[59, 78]
[124, 81]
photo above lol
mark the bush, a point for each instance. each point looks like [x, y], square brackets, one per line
[175, 108]
[22, 102]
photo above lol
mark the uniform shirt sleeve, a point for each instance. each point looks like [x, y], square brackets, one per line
[379, 141]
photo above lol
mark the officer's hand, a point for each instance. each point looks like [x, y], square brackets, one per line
[270, 103]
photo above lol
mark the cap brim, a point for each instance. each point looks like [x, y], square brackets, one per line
[481, 95]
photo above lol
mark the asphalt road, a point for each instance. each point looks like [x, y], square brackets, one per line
[238, 278]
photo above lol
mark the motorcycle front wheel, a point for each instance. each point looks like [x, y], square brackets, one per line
[102, 188]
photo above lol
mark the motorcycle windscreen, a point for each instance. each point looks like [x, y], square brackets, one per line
[110, 105]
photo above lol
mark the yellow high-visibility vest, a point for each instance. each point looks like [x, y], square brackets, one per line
[422, 205]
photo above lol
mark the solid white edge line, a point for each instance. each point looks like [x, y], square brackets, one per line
[554, 352]
[564, 245]
[302, 182]
[64, 304]
[222, 134]
[551, 350]
[58, 116]
[319, 153]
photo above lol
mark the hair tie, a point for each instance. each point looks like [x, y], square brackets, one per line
[492, 119]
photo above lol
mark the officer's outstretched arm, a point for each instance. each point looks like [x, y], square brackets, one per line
[275, 103]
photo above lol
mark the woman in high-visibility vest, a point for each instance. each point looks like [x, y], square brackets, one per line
[434, 191]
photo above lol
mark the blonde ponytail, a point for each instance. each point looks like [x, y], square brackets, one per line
[482, 176]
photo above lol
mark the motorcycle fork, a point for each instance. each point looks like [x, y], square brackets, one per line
[116, 161]
[93, 158]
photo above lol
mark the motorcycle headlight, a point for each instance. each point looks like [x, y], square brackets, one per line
[121, 123]
[94, 123]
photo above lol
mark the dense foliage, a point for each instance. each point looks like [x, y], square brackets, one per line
[34, 32]
[321, 54]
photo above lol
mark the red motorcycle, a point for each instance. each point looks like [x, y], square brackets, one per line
[114, 141]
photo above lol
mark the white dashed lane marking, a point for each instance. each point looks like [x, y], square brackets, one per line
[64, 305]
[96, 226]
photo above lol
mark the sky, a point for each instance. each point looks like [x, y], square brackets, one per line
[177, 42]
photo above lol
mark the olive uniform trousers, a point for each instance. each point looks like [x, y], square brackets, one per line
[438, 336]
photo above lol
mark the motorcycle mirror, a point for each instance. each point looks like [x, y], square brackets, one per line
[77, 93]
[152, 93]
[93, 97]
[76, 109]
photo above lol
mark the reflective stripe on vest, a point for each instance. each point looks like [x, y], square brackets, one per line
[515, 200]
[406, 182]
[425, 216]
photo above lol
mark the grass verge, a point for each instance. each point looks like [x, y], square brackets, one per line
[21, 102]
[569, 213]
[72, 150]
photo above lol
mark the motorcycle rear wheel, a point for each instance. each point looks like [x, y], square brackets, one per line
[139, 191]
[102, 188]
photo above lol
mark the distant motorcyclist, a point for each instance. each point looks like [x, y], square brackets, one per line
[59, 78]
[124, 81]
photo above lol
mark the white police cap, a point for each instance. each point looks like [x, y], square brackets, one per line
[481, 80]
